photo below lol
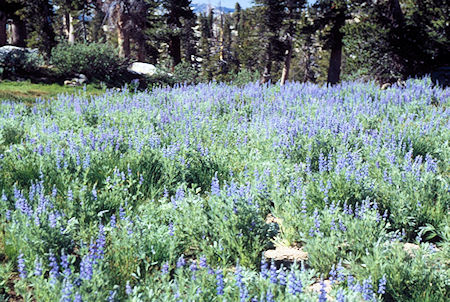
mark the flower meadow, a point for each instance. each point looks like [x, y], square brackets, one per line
[164, 195]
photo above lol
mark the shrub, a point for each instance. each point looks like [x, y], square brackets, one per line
[19, 61]
[245, 76]
[98, 61]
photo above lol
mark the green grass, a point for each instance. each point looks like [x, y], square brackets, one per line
[28, 92]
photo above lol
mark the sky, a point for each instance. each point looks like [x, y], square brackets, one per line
[226, 3]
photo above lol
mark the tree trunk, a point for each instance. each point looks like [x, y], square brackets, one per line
[309, 73]
[142, 50]
[334, 69]
[2, 28]
[123, 39]
[268, 67]
[175, 50]
[287, 62]
[18, 33]
[395, 13]
[70, 29]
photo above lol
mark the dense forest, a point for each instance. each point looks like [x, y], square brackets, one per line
[321, 41]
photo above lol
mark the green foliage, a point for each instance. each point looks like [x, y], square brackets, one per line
[98, 61]
[413, 273]
[19, 62]
[245, 76]
[28, 92]
[238, 231]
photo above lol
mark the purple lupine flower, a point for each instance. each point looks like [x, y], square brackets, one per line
[112, 294]
[273, 273]
[181, 262]
[165, 268]
[193, 268]
[52, 220]
[264, 268]
[333, 274]
[382, 285]
[37, 222]
[54, 192]
[304, 207]
[122, 214]
[311, 232]
[323, 292]
[367, 290]
[171, 229]
[243, 292]
[295, 285]
[282, 277]
[66, 291]
[78, 298]
[340, 297]
[342, 226]
[316, 220]
[21, 266]
[269, 296]
[340, 272]
[128, 289]
[333, 225]
[219, 282]
[86, 267]
[69, 195]
[113, 221]
[65, 265]
[54, 271]
[100, 243]
[215, 186]
[202, 262]
[37, 267]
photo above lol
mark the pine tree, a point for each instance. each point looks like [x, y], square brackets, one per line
[189, 40]
[34, 21]
[207, 68]
[175, 12]
[272, 15]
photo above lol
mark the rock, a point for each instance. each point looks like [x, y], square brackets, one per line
[286, 256]
[81, 78]
[78, 80]
[9, 49]
[72, 83]
[143, 69]
[385, 86]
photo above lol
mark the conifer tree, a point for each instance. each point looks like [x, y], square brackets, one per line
[271, 18]
[175, 12]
